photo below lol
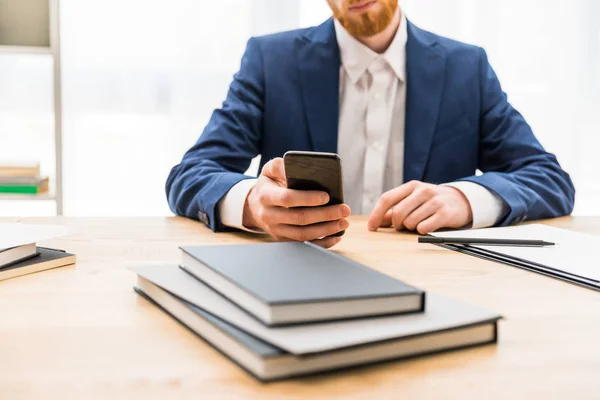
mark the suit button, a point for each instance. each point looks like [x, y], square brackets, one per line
[203, 217]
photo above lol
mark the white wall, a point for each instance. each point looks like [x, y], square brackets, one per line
[141, 78]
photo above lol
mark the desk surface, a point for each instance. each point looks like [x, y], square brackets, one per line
[81, 332]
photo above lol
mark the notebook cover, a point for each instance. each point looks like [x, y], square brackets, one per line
[293, 272]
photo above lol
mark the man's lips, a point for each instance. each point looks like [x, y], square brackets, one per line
[363, 6]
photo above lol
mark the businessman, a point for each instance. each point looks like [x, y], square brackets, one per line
[412, 115]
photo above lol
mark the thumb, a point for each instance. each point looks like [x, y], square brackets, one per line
[275, 170]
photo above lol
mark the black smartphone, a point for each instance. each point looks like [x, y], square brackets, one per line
[308, 170]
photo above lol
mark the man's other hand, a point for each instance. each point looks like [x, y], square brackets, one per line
[288, 214]
[422, 207]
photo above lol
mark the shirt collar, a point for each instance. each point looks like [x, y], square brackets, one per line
[356, 57]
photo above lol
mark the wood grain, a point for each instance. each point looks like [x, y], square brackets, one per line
[81, 332]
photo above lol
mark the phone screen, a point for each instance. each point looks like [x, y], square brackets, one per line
[315, 171]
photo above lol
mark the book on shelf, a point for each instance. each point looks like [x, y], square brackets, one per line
[24, 185]
[22, 178]
[19, 170]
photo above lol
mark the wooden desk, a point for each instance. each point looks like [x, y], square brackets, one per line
[81, 332]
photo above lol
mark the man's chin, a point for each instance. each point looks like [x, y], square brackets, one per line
[358, 27]
[370, 22]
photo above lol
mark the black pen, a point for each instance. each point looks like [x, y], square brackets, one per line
[487, 242]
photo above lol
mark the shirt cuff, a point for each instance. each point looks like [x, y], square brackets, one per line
[487, 207]
[231, 207]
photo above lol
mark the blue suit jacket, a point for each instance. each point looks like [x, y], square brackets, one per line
[286, 97]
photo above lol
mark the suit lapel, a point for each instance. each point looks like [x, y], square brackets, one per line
[319, 69]
[425, 71]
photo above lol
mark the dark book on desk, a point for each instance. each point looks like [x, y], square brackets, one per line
[290, 283]
[42, 260]
[451, 326]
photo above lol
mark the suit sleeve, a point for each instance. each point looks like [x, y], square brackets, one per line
[515, 166]
[225, 149]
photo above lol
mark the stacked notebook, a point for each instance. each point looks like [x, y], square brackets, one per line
[19, 254]
[285, 309]
[22, 179]
[28, 259]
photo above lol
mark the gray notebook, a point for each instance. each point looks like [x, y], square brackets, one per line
[443, 314]
[289, 283]
[267, 362]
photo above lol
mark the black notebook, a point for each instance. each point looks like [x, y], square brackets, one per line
[44, 259]
[289, 283]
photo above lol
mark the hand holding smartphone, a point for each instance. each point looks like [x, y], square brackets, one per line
[306, 170]
[283, 205]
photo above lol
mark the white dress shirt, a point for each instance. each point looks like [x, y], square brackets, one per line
[371, 133]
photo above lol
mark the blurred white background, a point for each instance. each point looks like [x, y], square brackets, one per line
[141, 78]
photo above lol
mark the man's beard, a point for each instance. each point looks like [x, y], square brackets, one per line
[369, 23]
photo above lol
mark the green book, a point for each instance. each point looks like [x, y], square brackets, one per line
[21, 189]
[20, 185]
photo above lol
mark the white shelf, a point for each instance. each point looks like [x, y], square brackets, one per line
[53, 51]
[21, 197]
[25, 50]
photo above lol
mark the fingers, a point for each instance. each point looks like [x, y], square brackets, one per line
[278, 195]
[310, 232]
[387, 219]
[275, 169]
[307, 216]
[423, 212]
[327, 242]
[404, 208]
[387, 201]
[283, 197]
[431, 224]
